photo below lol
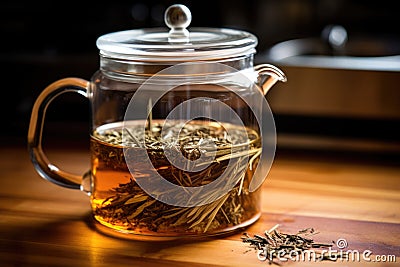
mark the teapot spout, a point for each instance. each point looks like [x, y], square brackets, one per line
[267, 76]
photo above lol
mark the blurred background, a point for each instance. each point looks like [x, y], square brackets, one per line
[342, 63]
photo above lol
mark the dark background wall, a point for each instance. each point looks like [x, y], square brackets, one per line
[43, 42]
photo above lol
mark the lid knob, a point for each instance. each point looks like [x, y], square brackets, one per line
[177, 18]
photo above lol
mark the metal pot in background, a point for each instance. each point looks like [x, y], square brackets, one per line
[342, 92]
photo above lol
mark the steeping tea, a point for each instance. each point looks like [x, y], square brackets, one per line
[120, 203]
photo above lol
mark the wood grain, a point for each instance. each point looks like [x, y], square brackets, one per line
[42, 224]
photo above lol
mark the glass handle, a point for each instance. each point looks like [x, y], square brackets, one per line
[42, 165]
[268, 75]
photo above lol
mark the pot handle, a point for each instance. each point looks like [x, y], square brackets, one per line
[268, 75]
[42, 165]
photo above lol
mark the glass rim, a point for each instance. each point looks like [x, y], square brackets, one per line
[154, 45]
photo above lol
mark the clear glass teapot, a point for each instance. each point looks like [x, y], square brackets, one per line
[182, 136]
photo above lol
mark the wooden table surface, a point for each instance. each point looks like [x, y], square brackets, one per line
[42, 224]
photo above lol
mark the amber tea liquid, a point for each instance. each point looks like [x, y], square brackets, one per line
[118, 201]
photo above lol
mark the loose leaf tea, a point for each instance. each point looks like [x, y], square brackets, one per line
[276, 246]
[120, 203]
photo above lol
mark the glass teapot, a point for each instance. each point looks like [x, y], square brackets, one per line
[182, 137]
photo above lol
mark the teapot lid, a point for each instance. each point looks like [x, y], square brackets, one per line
[180, 45]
